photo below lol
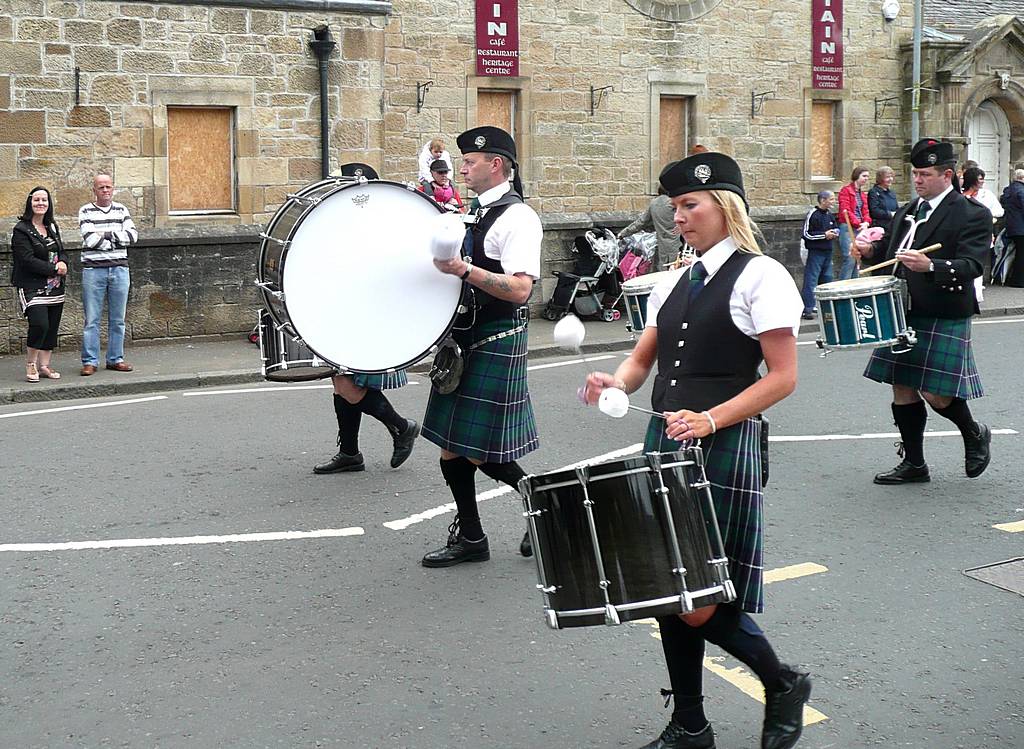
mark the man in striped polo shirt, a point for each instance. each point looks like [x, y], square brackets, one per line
[107, 231]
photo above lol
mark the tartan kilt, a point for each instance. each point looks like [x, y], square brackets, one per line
[941, 362]
[732, 463]
[489, 417]
[386, 381]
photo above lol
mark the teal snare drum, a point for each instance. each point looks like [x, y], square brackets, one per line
[636, 291]
[863, 313]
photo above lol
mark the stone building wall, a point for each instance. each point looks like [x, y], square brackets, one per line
[575, 162]
[136, 58]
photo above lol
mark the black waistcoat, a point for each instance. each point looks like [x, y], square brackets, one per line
[488, 307]
[703, 358]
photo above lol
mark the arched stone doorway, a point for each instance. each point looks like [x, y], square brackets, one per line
[989, 143]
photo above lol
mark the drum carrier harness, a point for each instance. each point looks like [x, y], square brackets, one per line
[481, 307]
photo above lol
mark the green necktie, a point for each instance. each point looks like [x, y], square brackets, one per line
[922, 210]
[697, 275]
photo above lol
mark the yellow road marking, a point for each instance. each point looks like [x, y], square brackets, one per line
[793, 571]
[1016, 527]
[739, 678]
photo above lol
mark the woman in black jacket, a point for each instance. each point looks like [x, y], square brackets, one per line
[40, 266]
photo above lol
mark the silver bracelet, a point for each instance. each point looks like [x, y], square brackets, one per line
[714, 427]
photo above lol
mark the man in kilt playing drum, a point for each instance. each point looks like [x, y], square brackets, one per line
[487, 422]
[358, 394]
[940, 367]
[708, 331]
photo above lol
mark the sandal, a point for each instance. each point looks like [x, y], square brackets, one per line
[31, 373]
[48, 373]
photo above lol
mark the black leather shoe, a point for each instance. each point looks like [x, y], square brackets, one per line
[675, 737]
[341, 463]
[977, 452]
[457, 551]
[526, 546]
[404, 443]
[784, 710]
[905, 473]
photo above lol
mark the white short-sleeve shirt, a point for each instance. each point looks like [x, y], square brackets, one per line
[764, 297]
[516, 236]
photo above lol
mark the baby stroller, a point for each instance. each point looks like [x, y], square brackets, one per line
[593, 288]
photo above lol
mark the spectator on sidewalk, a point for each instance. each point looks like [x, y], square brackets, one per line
[882, 202]
[853, 211]
[1012, 201]
[39, 269]
[107, 232]
[820, 231]
[431, 152]
[658, 217]
[442, 189]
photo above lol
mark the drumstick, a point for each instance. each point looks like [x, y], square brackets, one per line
[887, 263]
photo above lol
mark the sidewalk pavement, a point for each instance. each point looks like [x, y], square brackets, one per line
[185, 363]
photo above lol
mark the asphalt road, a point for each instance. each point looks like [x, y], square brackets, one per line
[176, 637]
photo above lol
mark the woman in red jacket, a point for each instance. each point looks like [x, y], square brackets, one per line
[853, 211]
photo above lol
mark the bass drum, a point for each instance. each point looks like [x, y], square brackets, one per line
[345, 269]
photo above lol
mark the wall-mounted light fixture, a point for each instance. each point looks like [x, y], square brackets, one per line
[596, 95]
[890, 10]
[421, 94]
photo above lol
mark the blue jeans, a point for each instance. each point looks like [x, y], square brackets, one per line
[113, 284]
[849, 267]
[817, 271]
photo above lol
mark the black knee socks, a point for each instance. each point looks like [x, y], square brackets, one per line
[460, 474]
[375, 404]
[684, 657]
[349, 417]
[960, 414]
[508, 473]
[736, 633]
[911, 419]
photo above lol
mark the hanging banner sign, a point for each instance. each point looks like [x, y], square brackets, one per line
[827, 44]
[497, 38]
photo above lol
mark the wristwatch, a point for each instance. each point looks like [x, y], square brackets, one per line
[469, 269]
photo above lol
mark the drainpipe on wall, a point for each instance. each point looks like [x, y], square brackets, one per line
[915, 94]
[322, 45]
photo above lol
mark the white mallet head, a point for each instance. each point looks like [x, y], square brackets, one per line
[569, 332]
[448, 235]
[613, 402]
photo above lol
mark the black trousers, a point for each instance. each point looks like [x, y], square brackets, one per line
[1016, 277]
[43, 322]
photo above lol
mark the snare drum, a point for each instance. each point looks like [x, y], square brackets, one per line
[626, 540]
[346, 271]
[863, 313]
[636, 292]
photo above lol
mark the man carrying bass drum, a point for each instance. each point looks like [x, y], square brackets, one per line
[708, 330]
[487, 422]
[358, 394]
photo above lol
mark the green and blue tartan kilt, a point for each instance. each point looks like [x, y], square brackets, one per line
[489, 417]
[732, 464]
[941, 362]
[386, 381]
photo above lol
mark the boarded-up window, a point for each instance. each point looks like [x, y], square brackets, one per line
[200, 159]
[498, 109]
[674, 129]
[823, 146]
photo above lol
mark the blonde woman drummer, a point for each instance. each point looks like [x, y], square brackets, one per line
[708, 330]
